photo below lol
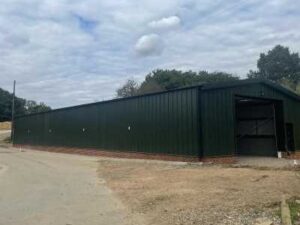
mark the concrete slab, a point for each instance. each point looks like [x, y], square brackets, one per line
[270, 162]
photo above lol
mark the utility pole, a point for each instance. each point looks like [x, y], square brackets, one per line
[13, 114]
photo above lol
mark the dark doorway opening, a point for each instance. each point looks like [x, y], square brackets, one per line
[290, 144]
[259, 126]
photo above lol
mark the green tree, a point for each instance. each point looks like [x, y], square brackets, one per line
[22, 106]
[278, 65]
[130, 88]
[33, 107]
[150, 87]
[5, 105]
[205, 77]
[170, 79]
[160, 80]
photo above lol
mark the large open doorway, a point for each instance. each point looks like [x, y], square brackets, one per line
[259, 126]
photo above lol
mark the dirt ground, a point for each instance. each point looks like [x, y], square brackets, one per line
[174, 194]
[5, 125]
[4, 134]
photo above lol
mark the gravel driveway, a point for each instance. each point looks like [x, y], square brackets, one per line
[40, 188]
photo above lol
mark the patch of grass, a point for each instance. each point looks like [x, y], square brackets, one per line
[295, 210]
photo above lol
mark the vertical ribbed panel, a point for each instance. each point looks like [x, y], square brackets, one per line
[166, 123]
[160, 123]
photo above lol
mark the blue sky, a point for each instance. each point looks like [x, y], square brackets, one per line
[68, 52]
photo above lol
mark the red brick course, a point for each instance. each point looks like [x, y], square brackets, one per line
[294, 155]
[131, 155]
[221, 160]
[114, 154]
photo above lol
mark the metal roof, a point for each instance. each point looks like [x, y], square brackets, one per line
[231, 84]
[203, 87]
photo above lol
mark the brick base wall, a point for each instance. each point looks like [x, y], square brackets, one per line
[293, 155]
[131, 155]
[114, 154]
[136, 155]
[220, 160]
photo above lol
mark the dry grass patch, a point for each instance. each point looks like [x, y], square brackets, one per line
[5, 125]
[294, 204]
[173, 194]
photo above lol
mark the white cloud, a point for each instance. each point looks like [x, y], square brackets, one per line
[150, 44]
[165, 23]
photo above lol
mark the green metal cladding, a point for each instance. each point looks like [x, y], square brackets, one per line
[195, 121]
[218, 113]
[156, 123]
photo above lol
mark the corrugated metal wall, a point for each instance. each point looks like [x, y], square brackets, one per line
[218, 118]
[159, 123]
[167, 123]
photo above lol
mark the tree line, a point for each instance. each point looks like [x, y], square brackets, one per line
[278, 65]
[22, 106]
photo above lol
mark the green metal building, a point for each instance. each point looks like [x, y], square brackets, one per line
[249, 117]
